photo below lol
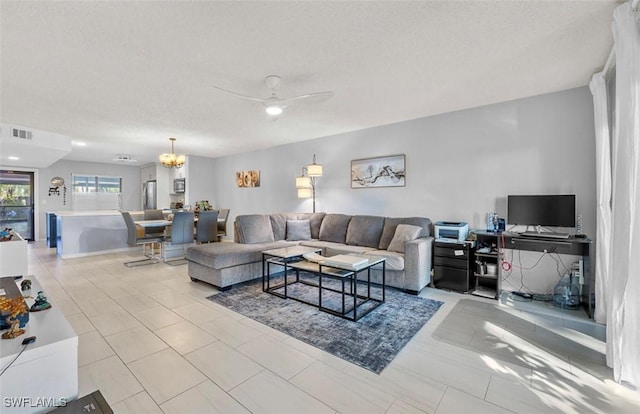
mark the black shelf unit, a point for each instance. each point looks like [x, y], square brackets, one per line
[453, 266]
[488, 265]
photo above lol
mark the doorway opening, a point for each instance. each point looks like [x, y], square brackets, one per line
[17, 202]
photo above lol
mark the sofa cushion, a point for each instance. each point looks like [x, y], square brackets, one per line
[390, 225]
[223, 255]
[365, 231]
[279, 224]
[332, 248]
[394, 260]
[334, 228]
[254, 228]
[404, 232]
[316, 222]
[298, 230]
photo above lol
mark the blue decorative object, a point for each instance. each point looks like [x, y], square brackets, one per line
[40, 304]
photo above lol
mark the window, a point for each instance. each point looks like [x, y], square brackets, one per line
[96, 183]
[96, 192]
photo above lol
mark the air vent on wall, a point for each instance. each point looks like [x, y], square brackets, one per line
[21, 133]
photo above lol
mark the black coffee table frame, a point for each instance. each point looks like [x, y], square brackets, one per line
[346, 277]
[281, 257]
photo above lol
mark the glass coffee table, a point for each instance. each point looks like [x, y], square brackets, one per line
[281, 257]
[335, 289]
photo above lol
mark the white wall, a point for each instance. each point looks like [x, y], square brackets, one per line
[130, 186]
[459, 165]
[199, 185]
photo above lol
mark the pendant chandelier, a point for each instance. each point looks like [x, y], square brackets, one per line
[172, 160]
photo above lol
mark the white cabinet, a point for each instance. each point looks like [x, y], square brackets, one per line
[46, 373]
[13, 257]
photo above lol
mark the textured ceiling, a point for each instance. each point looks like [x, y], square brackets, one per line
[125, 76]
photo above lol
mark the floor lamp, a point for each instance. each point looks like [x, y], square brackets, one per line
[306, 183]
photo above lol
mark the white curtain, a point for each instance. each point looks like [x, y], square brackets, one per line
[598, 88]
[623, 313]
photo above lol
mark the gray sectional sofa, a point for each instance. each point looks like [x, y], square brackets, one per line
[408, 264]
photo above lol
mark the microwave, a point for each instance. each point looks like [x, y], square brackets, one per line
[178, 185]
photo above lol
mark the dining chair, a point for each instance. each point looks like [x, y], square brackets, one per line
[181, 236]
[207, 227]
[133, 240]
[223, 216]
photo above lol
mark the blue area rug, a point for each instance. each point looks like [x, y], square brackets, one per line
[372, 342]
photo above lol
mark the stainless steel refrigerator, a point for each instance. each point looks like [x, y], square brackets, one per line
[150, 195]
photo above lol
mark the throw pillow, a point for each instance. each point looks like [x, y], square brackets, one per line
[298, 230]
[404, 232]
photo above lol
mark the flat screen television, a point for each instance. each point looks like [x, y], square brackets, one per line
[542, 210]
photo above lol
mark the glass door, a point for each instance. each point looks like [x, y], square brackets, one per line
[16, 202]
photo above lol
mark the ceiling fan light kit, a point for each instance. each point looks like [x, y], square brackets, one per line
[273, 109]
[172, 160]
[274, 105]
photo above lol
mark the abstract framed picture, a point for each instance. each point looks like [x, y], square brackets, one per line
[248, 178]
[388, 171]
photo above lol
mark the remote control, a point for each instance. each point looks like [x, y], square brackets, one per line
[28, 340]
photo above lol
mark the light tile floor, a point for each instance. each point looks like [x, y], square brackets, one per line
[152, 343]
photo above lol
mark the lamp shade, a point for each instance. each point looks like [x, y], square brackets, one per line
[304, 193]
[303, 182]
[314, 170]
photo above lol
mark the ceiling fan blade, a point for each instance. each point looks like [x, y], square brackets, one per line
[309, 97]
[239, 95]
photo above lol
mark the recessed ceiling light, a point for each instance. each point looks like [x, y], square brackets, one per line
[13, 158]
[79, 143]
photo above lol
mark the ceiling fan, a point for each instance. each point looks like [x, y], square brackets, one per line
[274, 105]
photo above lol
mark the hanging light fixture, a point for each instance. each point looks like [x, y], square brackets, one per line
[172, 160]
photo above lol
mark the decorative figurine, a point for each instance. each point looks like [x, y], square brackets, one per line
[25, 284]
[15, 329]
[7, 234]
[40, 303]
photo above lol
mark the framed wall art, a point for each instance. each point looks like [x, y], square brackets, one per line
[388, 171]
[248, 178]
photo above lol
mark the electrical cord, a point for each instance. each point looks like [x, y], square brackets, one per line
[14, 359]
[543, 297]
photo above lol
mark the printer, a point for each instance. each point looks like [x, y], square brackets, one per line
[451, 231]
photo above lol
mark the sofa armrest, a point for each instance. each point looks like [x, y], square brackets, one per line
[417, 263]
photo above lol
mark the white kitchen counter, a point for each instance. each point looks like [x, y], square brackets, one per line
[71, 213]
[86, 233]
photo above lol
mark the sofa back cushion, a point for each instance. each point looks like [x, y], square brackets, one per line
[390, 225]
[254, 228]
[365, 231]
[279, 224]
[334, 228]
[315, 220]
